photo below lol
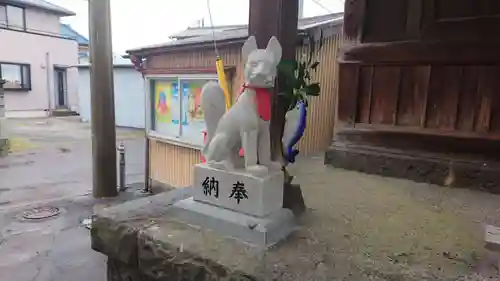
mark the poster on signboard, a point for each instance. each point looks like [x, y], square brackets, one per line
[176, 112]
[192, 117]
[167, 108]
[195, 111]
[163, 102]
[185, 104]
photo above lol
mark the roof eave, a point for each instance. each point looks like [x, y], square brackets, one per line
[189, 46]
[220, 43]
[83, 66]
[64, 14]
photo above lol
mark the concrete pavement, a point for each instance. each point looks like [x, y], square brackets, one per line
[51, 166]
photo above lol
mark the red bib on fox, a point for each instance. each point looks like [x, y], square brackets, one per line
[263, 101]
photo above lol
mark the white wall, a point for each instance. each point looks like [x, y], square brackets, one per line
[129, 96]
[32, 49]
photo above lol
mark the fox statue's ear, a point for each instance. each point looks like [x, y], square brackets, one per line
[274, 47]
[249, 46]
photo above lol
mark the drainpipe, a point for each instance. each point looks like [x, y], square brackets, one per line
[4, 144]
[2, 103]
[49, 88]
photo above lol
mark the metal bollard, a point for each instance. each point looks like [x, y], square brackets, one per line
[121, 152]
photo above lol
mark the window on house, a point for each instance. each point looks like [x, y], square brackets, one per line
[16, 76]
[15, 18]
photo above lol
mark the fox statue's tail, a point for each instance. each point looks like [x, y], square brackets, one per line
[213, 104]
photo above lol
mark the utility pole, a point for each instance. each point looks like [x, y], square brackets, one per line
[102, 101]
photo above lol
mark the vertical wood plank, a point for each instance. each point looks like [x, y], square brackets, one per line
[414, 18]
[365, 94]
[428, 14]
[348, 94]
[354, 16]
[413, 95]
[385, 91]
[487, 89]
[385, 21]
[434, 95]
[468, 101]
[451, 94]
[495, 101]
[444, 92]
[425, 102]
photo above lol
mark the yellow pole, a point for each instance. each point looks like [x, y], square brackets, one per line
[222, 81]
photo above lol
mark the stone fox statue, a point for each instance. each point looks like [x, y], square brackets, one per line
[246, 123]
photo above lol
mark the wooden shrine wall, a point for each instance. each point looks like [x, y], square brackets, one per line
[422, 67]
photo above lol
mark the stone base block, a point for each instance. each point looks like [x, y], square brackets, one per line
[259, 232]
[418, 166]
[239, 191]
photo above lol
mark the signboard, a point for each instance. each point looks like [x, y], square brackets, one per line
[193, 123]
[176, 109]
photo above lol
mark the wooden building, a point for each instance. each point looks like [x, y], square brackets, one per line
[419, 93]
[189, 62]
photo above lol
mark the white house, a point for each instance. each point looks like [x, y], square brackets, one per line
[36, 61]
[129, 93]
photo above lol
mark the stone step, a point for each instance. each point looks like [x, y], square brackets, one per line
[63, 113]
[492, 238]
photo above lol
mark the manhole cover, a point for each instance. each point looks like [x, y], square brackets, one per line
[41, 213]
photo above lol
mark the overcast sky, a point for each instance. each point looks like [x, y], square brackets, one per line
[146, 22]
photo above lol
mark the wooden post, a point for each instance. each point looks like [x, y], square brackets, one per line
[278, 18]
[102, 101]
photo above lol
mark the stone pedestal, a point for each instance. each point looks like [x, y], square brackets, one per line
[260, 232]
[237, 205]
[144, 240]
[239, 191]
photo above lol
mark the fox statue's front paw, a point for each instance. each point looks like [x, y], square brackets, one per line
[257, 170]
[274, 166]
[217, 165]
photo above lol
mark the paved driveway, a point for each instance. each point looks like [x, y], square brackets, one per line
[51, 165]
